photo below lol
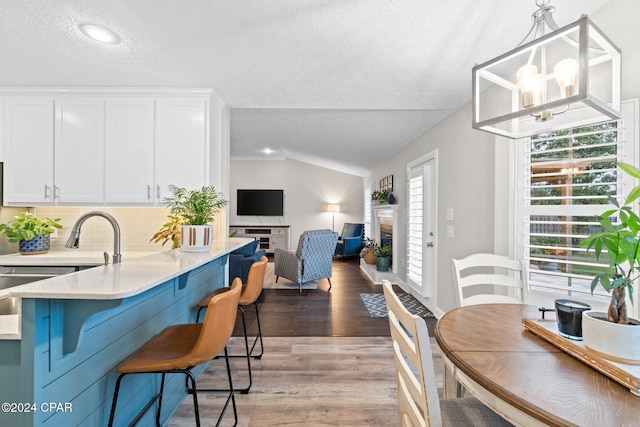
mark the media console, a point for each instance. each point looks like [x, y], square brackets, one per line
[270, 236]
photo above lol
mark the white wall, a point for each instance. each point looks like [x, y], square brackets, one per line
[307, 189]
[219, 157]
[473, 168]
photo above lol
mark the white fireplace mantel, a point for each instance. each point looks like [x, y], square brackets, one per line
[384, 211]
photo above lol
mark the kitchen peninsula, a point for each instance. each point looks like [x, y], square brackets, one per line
[59, 369]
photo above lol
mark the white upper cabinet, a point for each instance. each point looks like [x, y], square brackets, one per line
[129, 151]
[28, 139]
[53, 150]
[79, 151]
[116, 147]
[182, 153]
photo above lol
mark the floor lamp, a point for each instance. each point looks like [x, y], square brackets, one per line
[333, 208]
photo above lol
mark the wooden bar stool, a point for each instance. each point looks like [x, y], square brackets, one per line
[179, 348]
[250, 293]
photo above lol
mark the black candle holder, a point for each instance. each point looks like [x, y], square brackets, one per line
[569, 316]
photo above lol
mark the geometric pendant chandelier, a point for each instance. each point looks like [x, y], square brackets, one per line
[561, 78]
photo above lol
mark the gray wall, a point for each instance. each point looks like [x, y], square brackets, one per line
[307, 189]
[473, 168]
[465, 184]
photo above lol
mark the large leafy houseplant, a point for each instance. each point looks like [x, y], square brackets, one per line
[27, 227]
[192, 211]
[622, 243]
[195, 207]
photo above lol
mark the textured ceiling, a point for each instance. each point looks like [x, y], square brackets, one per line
[338, 83]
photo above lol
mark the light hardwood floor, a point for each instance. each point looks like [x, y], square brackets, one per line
[320, 380]
[307, 381]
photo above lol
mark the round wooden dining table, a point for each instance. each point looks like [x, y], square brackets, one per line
[523, 377]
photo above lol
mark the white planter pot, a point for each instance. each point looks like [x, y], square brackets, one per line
[613, 341]
[196, 238]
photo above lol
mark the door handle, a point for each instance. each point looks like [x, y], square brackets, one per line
[430, 244]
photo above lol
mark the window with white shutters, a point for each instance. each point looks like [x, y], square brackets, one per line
[415, 209]
[367, 210]
[569, 177]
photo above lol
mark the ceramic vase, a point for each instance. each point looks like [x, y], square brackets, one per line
[196, 238]
[37, 245]
[382, 264]
[613, 341]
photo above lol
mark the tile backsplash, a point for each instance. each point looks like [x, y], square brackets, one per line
[137, 226]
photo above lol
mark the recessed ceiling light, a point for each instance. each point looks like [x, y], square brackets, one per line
[100, 34]
[268, 151]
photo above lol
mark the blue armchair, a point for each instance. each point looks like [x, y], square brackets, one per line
[350, 242]
[241, 259]
[311, 261]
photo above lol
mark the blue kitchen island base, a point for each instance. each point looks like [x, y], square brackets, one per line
[64, 365]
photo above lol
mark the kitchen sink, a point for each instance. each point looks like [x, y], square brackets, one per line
[10, 305]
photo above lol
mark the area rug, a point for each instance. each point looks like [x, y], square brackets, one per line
[270, 281]
[377, 307]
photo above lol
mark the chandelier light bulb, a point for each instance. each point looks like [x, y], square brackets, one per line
[566, 72]
[529, 82]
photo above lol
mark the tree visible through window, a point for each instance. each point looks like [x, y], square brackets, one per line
[570, 176]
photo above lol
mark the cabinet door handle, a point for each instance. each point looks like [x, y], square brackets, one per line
[158, 192]
[148, 192]
[56, 192]
[46, 191]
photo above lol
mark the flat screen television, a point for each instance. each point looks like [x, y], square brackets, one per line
[260, 202]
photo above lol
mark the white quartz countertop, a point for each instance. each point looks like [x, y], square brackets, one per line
[69, 257]
[132, 276]
[137, 273]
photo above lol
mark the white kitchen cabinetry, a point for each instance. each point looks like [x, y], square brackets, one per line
[53, 150]
[129, 150]
[79, 151]
[28, 157]
[182, 154]
[116, 147]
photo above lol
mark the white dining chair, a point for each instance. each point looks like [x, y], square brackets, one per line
[418, 401]
[488, 279]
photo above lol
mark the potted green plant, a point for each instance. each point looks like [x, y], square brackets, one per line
[32, 234]
[368, 251]
[195, 210]
[380, 196]
[383, 257]
[622, 244]
[170, 231]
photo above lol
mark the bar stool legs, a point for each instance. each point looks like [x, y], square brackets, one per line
[192, 389]
[177, 349]
[248, 352]
[230, 398]
[250, 294]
